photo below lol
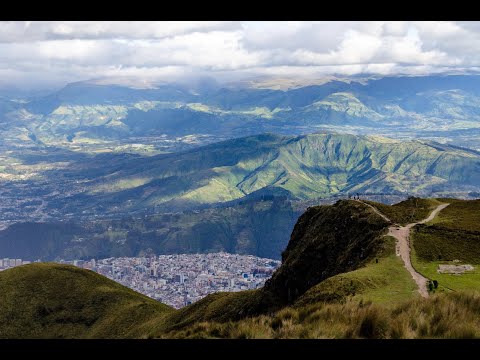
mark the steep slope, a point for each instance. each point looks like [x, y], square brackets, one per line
[61, 301]
[383, 280]
[326, 241]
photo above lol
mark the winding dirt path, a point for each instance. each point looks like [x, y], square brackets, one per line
[402, 248]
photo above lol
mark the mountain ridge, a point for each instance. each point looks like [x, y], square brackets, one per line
[337, 262]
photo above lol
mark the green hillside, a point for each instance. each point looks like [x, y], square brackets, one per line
[452, 238]
[309, 166]
[47, 300]
[383, 280]
[408, 211]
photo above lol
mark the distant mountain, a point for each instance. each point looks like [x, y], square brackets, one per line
[300, 167]
[87, 112]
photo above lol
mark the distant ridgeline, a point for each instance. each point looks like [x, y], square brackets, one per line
[298, 167]
[90, 112]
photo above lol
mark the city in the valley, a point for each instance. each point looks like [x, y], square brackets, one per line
[181, 279]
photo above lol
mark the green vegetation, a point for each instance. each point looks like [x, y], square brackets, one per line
[384, 282]
[326, 241]
[454, 234]
[435, 243]
[455, 315]
[412, 210]
[303, 167]
[59, 301]
[223, 307]
[467, 281]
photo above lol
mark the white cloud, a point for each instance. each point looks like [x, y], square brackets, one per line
[40, 53]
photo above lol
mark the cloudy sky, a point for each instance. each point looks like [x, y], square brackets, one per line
[43, 54]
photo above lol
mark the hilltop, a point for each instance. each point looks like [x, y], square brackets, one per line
[47, 300]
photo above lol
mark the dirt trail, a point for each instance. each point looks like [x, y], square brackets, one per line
[402, 234]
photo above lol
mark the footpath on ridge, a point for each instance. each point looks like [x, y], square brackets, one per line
[402, 235]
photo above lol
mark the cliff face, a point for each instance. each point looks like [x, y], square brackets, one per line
[326, 241]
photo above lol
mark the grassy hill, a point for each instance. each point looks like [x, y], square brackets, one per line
[383, 280]
[46, 300]
[408, 211]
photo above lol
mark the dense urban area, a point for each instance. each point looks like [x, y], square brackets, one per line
[178, 280]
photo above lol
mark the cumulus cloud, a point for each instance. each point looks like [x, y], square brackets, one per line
[41, 54]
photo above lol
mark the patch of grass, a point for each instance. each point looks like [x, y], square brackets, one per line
[453, 315]
[408, 211]
[454, 234]
[466, 281]
[437, 243]
[461, 215]
[386, 282]
[223, 307]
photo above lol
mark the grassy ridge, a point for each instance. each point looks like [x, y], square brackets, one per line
[62, 301]
[326, 241]
[408, 211]
[383, 282]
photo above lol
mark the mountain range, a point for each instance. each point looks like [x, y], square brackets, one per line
[91, 112]
[96, 155]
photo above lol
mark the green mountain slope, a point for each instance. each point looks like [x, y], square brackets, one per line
[303, 167]
[58, 301]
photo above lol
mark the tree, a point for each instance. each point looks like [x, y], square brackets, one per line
[430, 285]
[435, 284]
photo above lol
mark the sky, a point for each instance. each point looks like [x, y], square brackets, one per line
[46, 54]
